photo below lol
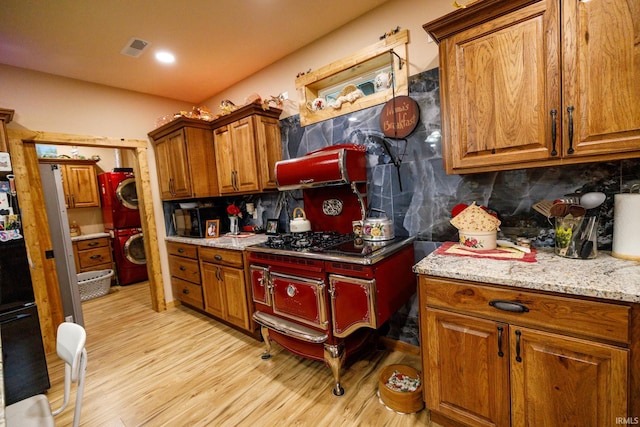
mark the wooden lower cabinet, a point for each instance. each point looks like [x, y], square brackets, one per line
[92, 254]
[224, 286]
[488, 367]
[185, 274]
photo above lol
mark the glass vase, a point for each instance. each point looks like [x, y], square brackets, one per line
[234, 228]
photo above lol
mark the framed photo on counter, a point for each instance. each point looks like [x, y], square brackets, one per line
[213, 228]
[272, 226]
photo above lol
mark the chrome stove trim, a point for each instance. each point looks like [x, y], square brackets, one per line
[289, 329]
[374, 258]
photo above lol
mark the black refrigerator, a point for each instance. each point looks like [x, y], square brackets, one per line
[23, 358]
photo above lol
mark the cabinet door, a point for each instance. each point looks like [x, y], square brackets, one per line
[235, 292]
[179, 169]
[213, 290]
[269, 150]
[601, 69]
[467, 367]
[500, 81]
[163, 162]
[224, 159]
[558, 380]
[244, 155]
[173, 170]
[81, 186]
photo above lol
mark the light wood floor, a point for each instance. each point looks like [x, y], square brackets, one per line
[181, 368]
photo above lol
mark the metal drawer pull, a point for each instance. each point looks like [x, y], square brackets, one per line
[180, 250]
[183, 268]
[94, 243]
[185, 291]
[518, 335]
[96, 256]
[500, 352]
[570, 111]
[554, 113]
[514, 307]
[217, 257]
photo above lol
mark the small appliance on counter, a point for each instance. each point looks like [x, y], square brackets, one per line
[192, 222]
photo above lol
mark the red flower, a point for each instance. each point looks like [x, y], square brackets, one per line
[233, 210]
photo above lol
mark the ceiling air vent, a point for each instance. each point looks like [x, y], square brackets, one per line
[135, 47]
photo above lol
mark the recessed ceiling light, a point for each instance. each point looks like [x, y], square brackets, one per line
[165, 57]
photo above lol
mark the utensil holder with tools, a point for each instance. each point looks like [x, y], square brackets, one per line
[577, 237]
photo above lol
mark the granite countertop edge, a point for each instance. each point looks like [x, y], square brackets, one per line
[89, 236]
[223, 242]
[605, 277]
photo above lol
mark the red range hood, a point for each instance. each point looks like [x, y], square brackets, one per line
[333, 165]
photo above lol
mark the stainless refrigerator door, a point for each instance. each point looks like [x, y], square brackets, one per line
[51, 177]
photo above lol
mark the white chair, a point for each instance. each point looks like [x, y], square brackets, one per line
[36, 410]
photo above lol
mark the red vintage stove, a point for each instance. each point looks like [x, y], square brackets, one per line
[322, 294]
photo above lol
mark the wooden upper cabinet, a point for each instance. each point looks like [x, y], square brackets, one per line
[185, 159]
[601, 69]
[269, 150]
[529, 83]
[79, 182]
[247, 146]
[235, 146]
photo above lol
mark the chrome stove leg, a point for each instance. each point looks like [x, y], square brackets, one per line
[264, 331]
[334, 356]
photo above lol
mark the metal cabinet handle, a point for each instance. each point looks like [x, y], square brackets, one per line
[183, 268]
[511, 306]
[554, 118]
[570, 112]
[218, 275]
[93, 244]
[95, 256]
[185, 291]
[180, 250]
[518, 335]
[217, 257]
[500, 352]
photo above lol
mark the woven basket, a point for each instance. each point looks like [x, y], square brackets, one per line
[94, 284]
[401, 401]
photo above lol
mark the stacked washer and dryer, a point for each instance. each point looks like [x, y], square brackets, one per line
[121, 219]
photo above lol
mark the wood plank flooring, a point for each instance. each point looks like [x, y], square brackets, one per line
[181, 368]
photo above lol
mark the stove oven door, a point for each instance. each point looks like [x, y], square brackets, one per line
[353, 304]
[260, 284]
[299, 298]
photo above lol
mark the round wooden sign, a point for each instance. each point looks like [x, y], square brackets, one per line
[399, 117]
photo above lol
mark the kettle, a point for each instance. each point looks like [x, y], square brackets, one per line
[299, 223]
[376, 229]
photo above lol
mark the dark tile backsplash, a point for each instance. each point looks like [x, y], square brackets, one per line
[419, 194]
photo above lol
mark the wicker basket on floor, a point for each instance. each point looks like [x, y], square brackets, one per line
[94, 284]
[401, 401]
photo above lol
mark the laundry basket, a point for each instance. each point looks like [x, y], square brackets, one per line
[94, 284]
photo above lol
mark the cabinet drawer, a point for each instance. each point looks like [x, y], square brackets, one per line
[83, 245]
[106, 266]
[221, 256]
[187, 292]
[184, 268]
[182, 249]
[594, 319]
[94, 257]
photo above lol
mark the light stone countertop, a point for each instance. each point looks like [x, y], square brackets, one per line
[89, 236]
[224, 241]
[604, 277]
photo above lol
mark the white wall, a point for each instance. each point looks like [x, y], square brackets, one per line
[55, 104]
